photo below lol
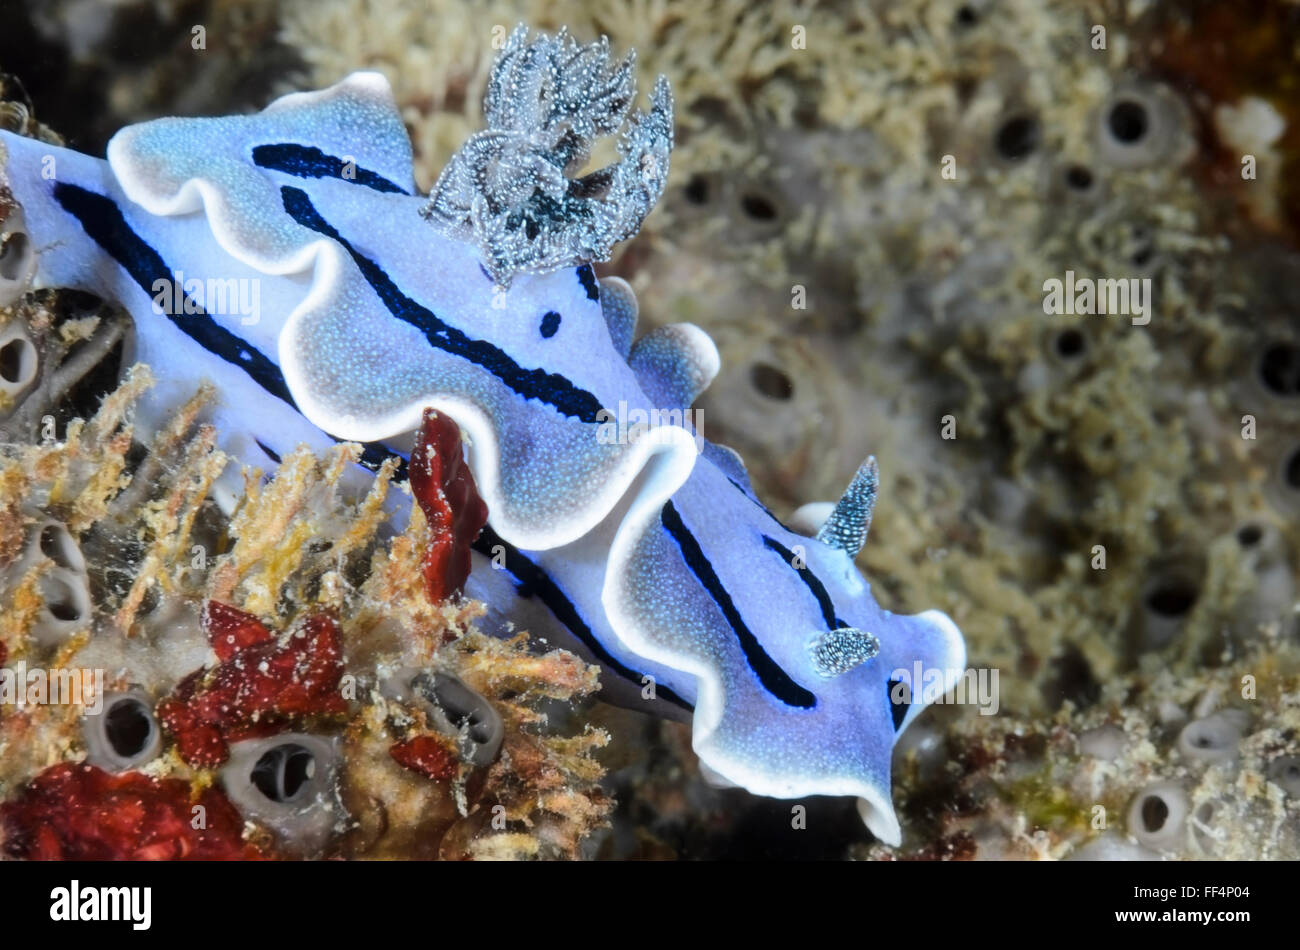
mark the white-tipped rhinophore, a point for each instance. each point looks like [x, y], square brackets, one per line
[840, 650]
[849, 521]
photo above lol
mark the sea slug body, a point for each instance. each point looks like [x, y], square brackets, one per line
[650, 554]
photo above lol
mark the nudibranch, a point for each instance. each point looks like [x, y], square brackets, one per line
[645, 548]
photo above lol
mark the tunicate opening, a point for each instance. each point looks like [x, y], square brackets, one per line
[1158, 815]
[466, 711]
[61, 598]
[123, 734]
[1249, 535]
[1285, 772]
[1202, 828]
[461, 704]
[1167, 600]
[771, 382]
[1279, 369]
[1128, 121]
[1078, 178]
[1172, 598]
[17, 361]
[757, 206]
[128, 726]
[287, 783]
[1071, 677]
[283, 772]
[1018, 137]
[13, 255]
[1143, 246]
[1291, 471]
[698, 190]
[1070, 343]
[1141, 126]
[1154, 813]
[967, 16]
[1212, 738]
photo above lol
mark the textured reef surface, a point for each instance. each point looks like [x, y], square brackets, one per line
[866, 200]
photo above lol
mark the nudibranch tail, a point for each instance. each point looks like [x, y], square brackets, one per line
[506, 191]
[776, 638]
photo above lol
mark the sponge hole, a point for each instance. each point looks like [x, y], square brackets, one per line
[15, 255]
[17, 264]
[19, 361]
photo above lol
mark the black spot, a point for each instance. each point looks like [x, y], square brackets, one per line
[1128, 121]
[898, 710]
[967, 16]
[770, 381]
[1279, 369]
[587, 277]
[1018, 137]
[550, 323]
[1249, 535]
